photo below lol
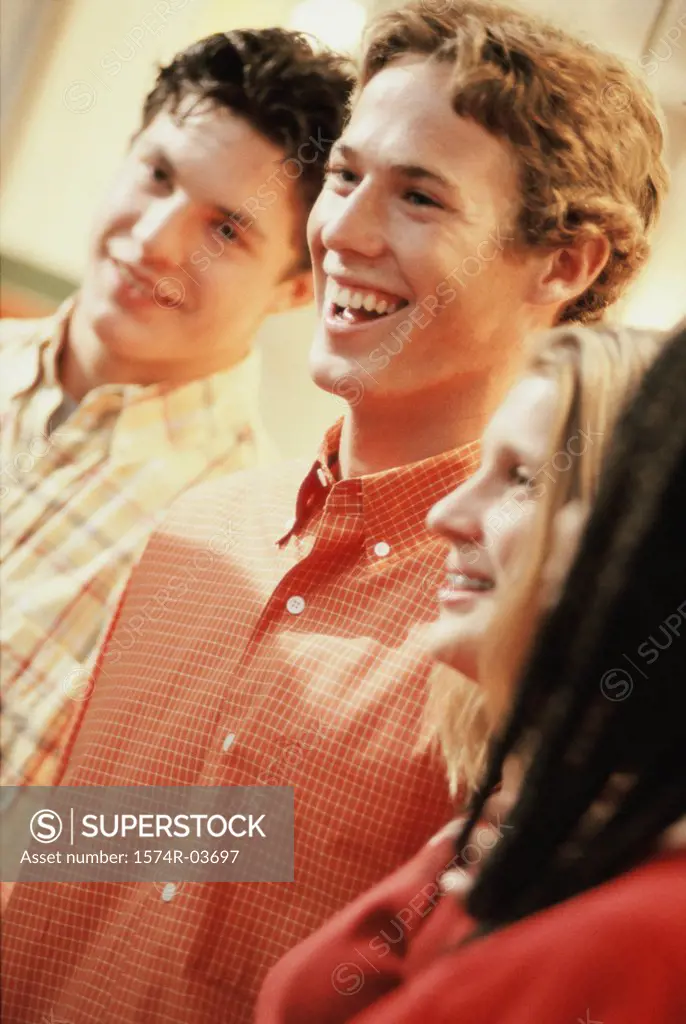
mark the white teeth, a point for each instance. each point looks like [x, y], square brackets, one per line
[131, 279]
[346, 298]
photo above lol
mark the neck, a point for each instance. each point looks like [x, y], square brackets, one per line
[385, 434]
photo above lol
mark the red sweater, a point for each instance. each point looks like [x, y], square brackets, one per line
[615, 954]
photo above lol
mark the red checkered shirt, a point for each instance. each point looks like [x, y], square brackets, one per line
[250, 651]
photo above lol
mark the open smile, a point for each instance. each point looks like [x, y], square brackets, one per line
[356, 305]
[459, 586]
[136, 289]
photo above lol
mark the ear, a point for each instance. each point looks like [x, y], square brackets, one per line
[567, 273]
[296, 290]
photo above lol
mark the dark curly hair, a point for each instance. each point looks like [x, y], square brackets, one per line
[584, 128]
[600, 708]
[292, 94]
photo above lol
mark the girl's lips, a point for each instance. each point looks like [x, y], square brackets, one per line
[461, 586]
[452, 598]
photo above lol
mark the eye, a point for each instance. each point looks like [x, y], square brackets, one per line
[160, 175]
[227, 230]
[519, 476]
[421, 199]
[342, 175]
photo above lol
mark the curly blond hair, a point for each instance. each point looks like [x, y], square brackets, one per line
[584, 128]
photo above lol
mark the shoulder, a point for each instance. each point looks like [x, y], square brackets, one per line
[613, 954]
[649, 900]
[633, 919]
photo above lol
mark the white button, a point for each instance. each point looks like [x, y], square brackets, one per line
[382, 549]
[295, 605]
[168, 892]
[323, 479]
[228, 741]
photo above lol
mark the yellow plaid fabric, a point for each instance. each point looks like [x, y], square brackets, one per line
[79, 497]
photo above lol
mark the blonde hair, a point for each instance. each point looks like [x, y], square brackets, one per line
[584, 128]
[596, 370]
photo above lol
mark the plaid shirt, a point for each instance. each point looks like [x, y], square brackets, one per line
[250, 651]
[78, 503]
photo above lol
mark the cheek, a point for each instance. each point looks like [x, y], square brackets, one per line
[419, 251]
[237, 290]
[123, 203]
[510, 530]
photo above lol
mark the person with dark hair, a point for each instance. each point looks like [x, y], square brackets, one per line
[145, 383]
[482, 189]
[572, 906]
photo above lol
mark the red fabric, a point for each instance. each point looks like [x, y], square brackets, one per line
[207, 678]
[614, 955]
[362, 953]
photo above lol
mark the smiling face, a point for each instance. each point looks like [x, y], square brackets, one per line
[408, 240]
[181, 274]
[490, 520]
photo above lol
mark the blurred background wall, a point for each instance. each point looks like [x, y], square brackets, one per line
[74, 75]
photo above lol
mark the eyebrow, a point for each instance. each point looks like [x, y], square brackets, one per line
[412, 171]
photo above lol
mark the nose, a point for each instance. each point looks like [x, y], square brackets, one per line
[458, 517]
[354, 223]
[159, 231]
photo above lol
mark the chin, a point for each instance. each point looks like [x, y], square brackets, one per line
[117, 331]
[336, 373]
[455, 646]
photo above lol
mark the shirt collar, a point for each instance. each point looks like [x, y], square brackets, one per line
[223, 407]
[220, 408]
[393, 504]
[36, 361]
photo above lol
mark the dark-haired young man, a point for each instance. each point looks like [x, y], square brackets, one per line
[145, 383]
